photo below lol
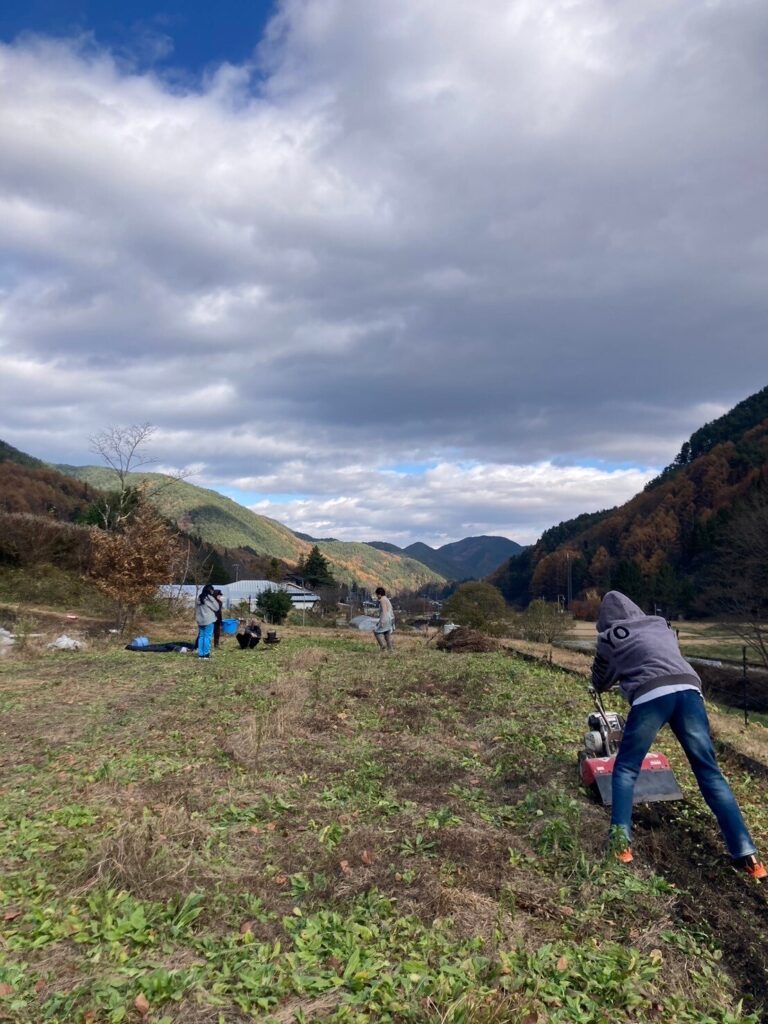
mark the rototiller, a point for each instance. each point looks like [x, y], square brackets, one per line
[655, 781]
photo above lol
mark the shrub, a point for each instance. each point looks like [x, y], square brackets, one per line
[544, 622]
[275, 605]
[476, 605]
[28, 540]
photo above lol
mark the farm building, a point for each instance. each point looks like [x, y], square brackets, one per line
[247, 591]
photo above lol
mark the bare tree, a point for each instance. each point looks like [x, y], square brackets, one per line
[123, 449]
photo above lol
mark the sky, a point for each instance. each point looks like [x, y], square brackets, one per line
[413, 270]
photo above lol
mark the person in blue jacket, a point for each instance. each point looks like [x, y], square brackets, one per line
[640, 653]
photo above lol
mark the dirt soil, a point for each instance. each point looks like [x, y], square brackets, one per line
[47, 619]
[734, 909]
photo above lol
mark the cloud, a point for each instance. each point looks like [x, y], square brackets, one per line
[446, 501]
[533, 237]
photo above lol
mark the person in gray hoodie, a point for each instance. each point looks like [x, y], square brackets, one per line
[206, 609]
[640, 653]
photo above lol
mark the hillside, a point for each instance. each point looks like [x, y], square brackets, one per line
[218, 520]
[671, 545]
[205, 513]
[10, 454]
[29, 486]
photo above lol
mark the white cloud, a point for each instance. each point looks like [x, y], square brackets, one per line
[446, 502]
[525, 236]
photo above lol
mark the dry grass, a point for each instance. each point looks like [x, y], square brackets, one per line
[151, 855]
[308, 1009]
[466, 641]
[751, 740]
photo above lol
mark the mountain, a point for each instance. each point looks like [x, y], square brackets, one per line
[475, 557]
[667, 546]
[220, 521]
[431, 557]
[470, 558]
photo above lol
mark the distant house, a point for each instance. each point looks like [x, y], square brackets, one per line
[246, 591]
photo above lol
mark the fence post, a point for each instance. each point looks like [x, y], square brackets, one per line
[744, 682]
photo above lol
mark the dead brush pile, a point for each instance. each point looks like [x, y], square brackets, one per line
[466, 641]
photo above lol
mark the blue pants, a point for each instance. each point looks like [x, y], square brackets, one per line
[688, 720]
[204, 638]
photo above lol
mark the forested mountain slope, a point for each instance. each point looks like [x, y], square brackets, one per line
[671, 544]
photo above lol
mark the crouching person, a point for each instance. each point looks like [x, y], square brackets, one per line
[640, 653]
[248, 636]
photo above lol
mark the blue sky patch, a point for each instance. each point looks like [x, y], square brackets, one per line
[410, 468]
[190, 35]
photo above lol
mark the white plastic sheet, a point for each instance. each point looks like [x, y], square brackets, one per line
[65, 643]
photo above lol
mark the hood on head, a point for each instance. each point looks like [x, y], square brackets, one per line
[616, 607]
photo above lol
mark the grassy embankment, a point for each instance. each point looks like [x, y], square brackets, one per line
[316, 832]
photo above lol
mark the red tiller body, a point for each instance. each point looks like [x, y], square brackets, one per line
[655, 781]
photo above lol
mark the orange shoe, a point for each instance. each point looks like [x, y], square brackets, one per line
[753, 867]
[624, 856]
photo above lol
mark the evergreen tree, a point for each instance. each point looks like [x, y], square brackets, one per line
[629, 580]
[316, 569]
[275, 604]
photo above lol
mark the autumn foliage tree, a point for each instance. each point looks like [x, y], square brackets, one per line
[128, 565]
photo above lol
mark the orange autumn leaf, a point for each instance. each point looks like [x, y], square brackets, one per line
[142, 1004]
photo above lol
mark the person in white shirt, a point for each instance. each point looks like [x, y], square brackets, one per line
[385, 626]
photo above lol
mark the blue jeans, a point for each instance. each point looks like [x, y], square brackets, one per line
[204, 638]
[688, 720]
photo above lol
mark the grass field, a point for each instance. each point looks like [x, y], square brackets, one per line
[697, 640]
[316, 832]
